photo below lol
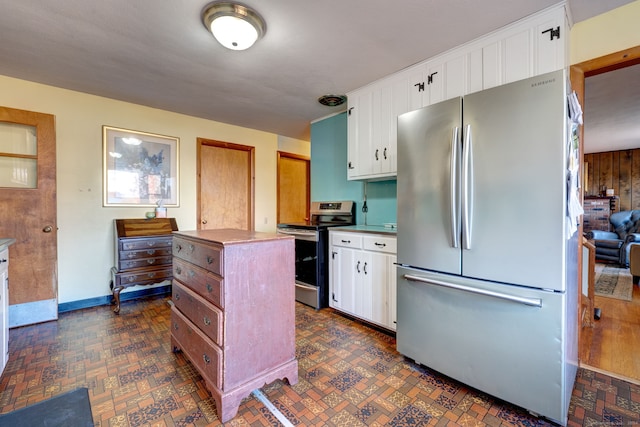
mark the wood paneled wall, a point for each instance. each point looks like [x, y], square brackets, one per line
[619, 170]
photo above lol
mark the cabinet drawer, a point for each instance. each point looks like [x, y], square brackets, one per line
[201, 351]
[134, 264]
[206, 316]
[206, 256]
[146, 243]
[380, 243]
[145, 253]
[348, 240]
[141, 277]
[199, 280]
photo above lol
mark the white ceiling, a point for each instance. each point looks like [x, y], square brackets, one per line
[158, 53]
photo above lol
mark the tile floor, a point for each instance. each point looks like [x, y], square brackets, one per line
[350, 375]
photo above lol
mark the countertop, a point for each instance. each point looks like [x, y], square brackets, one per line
[230, 236]
[376, 229]
[4, 243]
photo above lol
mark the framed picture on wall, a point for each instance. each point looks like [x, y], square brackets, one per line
[139, 168]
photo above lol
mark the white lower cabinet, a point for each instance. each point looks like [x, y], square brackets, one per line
[4, 309]
[362, 276]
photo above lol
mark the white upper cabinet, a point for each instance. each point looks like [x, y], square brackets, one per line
[372, 128]
[532, 46]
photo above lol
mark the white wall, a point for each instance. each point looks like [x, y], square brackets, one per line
[85, 227]
[607, 33]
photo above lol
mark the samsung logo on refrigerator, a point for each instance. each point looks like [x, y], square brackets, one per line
[543, 82]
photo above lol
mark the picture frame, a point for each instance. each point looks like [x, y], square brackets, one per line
[140, 168]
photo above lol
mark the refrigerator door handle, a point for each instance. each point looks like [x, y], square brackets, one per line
[455, 210]
[467, 188]
[534, 302]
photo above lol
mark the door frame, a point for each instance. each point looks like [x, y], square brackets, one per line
[285, 154]
[578, 73]
[252, 182]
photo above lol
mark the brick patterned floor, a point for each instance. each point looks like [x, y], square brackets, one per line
[350, 375]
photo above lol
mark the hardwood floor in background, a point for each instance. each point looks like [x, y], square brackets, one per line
[613, 344]
[349, 375]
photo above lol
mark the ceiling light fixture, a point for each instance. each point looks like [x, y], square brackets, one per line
[234, 25]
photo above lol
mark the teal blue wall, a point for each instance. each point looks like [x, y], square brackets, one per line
[329, 174]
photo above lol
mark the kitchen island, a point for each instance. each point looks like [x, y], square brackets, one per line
[233, 313]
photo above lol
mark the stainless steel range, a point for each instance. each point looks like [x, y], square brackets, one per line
[312, 247]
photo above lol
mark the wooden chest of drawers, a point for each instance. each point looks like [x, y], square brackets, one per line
[233, 312]
[142, 253]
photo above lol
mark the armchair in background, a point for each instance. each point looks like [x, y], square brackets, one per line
[615, 245]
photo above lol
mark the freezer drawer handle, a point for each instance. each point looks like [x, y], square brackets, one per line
[534, 302]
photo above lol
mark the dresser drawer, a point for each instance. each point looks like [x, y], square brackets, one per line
[200, 350]
[206, 256]
[141, 277]
[133, 264]
[206, 316]
[146, 243]
[199, 280]
[379, 243]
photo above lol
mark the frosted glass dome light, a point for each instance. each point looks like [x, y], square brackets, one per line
[235, 26]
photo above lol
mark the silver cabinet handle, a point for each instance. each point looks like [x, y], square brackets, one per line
[534, 302]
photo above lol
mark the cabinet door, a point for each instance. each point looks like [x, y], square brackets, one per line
[342, 279]
[360, 121]
[362, 289]
[551, 36]
[4, 309]
[393, 300]
[378, 285]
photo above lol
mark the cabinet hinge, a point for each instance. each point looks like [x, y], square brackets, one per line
[553, 33]
[420, 86]
[430, 77]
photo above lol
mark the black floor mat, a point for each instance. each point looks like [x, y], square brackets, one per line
[71, 409]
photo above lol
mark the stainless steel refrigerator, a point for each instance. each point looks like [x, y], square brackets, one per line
[487, 274]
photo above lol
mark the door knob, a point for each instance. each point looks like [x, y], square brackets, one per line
[204, 221]
[47, 229]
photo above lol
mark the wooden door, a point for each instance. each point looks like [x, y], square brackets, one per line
[225, 185]
[293, 187]
[28, 212]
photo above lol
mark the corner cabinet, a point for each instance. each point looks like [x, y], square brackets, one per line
[362, 276]
[233, 310]
[532, 46]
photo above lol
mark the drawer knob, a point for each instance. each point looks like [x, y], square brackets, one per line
[151, 275]
[151, 252]
[192, 248]
[177, 296]
[175, 326]
[178, 248]
[206, 358]
[178, 270]
[206, 321]
[151, 243]
[192, 273]
[209, 288]
[209, 259]
[151, 261]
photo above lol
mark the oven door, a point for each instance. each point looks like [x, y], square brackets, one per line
[306, 264]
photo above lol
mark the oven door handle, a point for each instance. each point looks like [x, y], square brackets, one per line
[301, 235]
